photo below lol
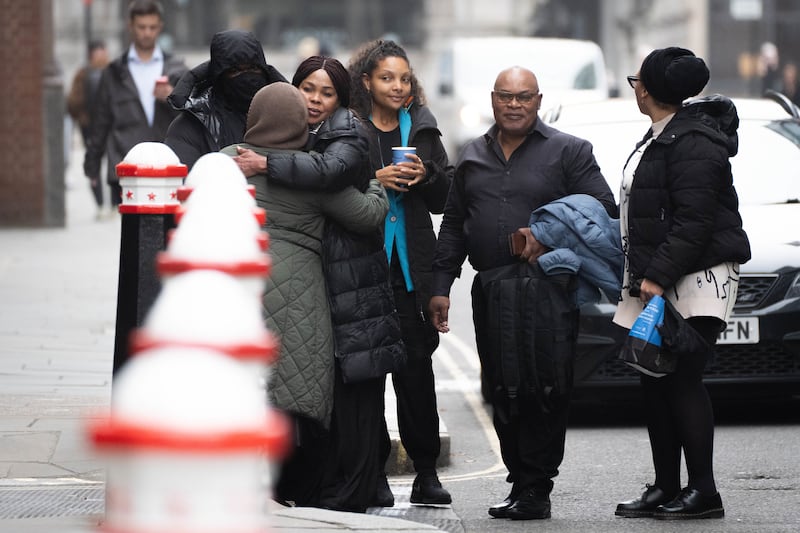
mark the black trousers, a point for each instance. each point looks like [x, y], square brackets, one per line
[414, 386]
[116, 194]
[352, 467]
[531, 437]
[97, 188]
[300, 476]
[680, 416]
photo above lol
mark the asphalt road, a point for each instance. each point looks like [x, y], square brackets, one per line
[607, 456]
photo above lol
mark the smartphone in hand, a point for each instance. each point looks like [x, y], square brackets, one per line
[162, 88]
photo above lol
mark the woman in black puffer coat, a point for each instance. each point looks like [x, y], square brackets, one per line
[339, 469]
[683, 239]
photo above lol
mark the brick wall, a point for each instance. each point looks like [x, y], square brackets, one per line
[28, 77]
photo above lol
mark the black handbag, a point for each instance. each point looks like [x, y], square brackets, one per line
[657, 338]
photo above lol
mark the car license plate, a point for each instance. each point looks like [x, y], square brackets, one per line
[740, 330]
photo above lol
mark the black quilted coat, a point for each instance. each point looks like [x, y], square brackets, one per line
[366, 328]
[684, 212]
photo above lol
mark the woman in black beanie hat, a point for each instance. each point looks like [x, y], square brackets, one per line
[683, 239]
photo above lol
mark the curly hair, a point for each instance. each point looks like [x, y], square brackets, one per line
[338, 74]
[365, 61]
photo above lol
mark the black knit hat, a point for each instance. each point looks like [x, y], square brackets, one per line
[673, 74]
[278, 118]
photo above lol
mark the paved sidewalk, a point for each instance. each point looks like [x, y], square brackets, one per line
[57, 309]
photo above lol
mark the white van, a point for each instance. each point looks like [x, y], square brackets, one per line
[568, 70]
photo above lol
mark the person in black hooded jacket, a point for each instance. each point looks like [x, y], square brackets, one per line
[213, 98]
[683, 239]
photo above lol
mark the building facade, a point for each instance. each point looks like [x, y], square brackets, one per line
[46, 43]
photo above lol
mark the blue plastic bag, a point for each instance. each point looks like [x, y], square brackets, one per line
[642, 348]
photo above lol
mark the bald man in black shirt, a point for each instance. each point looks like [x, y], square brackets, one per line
[519, 165]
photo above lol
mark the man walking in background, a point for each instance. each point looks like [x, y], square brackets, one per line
[131, 102]
[82, 93]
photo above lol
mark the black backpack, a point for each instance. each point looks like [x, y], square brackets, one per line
[532, 331]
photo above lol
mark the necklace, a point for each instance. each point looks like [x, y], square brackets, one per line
[393, 137]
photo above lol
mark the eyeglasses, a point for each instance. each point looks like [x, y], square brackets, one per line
[506, 98]
[632, 81]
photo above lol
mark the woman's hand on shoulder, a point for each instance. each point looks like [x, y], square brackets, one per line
[250, 163]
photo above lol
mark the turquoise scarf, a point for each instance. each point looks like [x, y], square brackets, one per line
[395, 223]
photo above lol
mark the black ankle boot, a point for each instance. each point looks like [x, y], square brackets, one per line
[427, 489]
[500, 510]
[531, 505]
[383, 493]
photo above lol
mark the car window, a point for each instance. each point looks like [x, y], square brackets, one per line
[586, 78]
[788, 128]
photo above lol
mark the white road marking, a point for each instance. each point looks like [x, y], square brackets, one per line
[474, 400]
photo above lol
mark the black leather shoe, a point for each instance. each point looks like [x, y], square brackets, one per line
[383, 494]
[531, 505]
[644, 506]
[499, 510]
[427, 489]
[691, 504]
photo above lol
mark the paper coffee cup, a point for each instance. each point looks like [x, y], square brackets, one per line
[399, 154]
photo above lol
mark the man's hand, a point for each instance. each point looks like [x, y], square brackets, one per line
[162, 89]
[533, 248]
[250, 163]
[439, 306]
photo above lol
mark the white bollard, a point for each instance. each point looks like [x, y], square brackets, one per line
[218, 237]
[211, 167]
[209, 309]
[150, 175]
[185, 444]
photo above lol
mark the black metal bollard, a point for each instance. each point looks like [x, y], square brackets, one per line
[149, 176]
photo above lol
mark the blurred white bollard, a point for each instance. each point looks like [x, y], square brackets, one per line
[221, 184]
[219, 226]
[185, 443]
[191, 439]
[209, 309]
[218, 232]
[211, 167]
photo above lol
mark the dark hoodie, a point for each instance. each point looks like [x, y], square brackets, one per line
[684, 212]
[214, 106]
